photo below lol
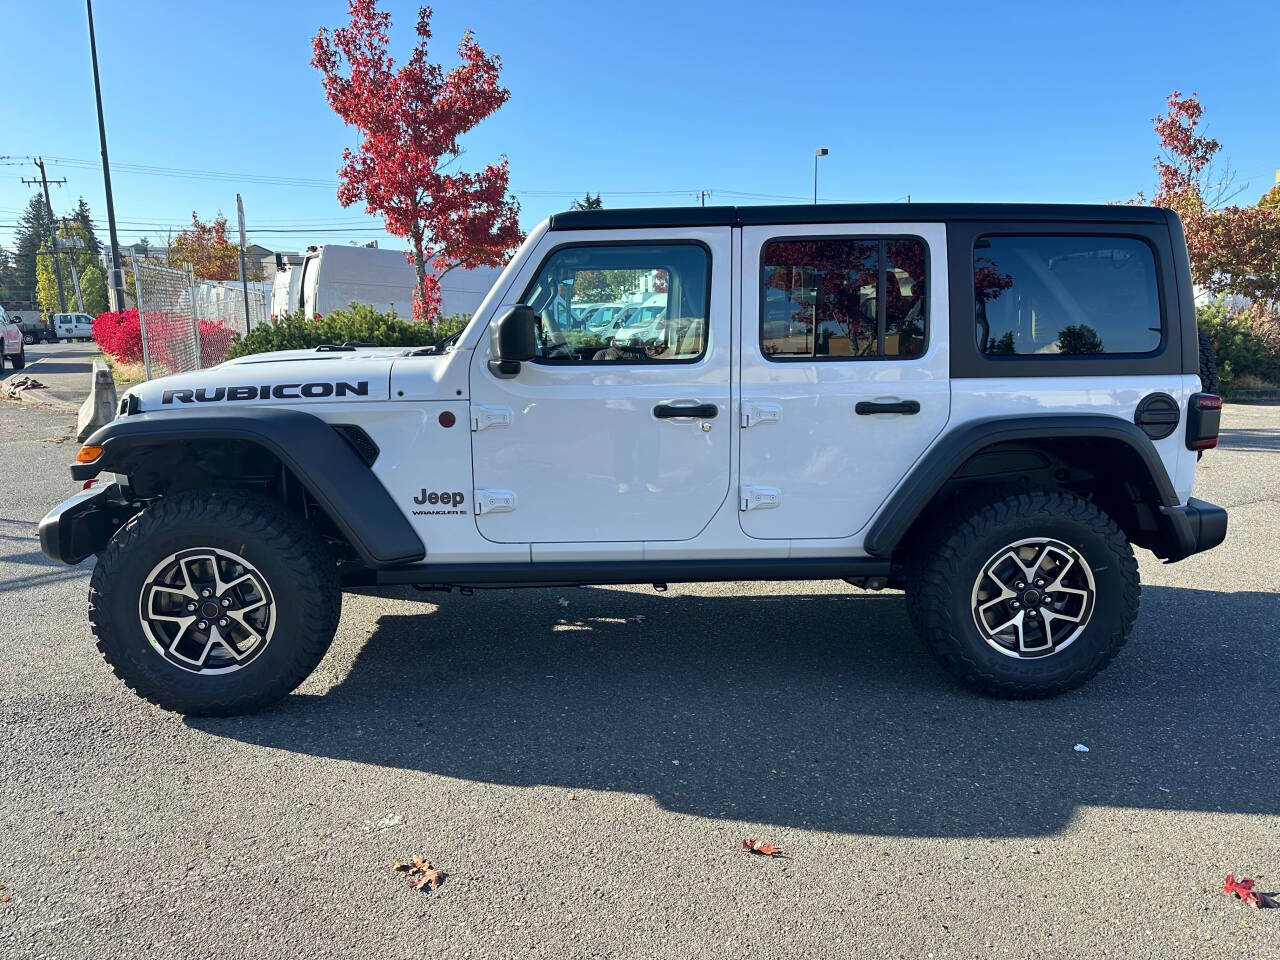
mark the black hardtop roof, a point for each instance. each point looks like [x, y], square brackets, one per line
[641, 217]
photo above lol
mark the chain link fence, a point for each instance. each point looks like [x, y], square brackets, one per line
[186, 324]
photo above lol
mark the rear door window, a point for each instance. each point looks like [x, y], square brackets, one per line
[846, 298]
[1065, 296]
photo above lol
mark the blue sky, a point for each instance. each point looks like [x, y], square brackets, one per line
[645, 103]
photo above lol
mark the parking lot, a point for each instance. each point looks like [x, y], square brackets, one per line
[585, 764]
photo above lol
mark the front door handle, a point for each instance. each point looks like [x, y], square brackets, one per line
[864, 408]
[700, 411]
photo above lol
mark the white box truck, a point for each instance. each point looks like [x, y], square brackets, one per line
[333, 276]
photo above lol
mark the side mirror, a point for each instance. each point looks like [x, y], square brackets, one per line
[515, 341]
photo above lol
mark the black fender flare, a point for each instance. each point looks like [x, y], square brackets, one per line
[311, 449]
[938, 465]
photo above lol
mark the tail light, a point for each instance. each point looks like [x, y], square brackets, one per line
[1204, 414]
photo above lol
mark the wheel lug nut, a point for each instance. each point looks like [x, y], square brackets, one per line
[226, 601]
[222, 622]
[1032, 613]
[202, 625]
[1015, 605]
[1039, 583]
[191, 607]
[206, 592]
[1019, 585]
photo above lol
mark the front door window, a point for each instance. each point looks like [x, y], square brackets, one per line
[622, 303]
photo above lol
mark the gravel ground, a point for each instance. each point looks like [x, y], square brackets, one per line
[585, 764]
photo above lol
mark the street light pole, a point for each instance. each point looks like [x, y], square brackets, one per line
[820, 152]
[115, 281]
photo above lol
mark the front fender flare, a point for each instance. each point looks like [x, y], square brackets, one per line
[947, 456]
[321, 460]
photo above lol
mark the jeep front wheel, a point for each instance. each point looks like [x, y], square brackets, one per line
[1029, 596]
[214, 602]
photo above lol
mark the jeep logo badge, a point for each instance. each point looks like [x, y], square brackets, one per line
[444, 498]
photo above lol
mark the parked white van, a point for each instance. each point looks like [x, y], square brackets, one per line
[333, 276]
[286, 291]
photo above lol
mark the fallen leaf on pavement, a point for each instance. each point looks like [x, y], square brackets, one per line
[1242, 890]
[752, 845]
[421, 873]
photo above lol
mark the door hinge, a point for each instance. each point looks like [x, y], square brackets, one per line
[753, 497]
[754, 413]
[483, 415]
[494, 501]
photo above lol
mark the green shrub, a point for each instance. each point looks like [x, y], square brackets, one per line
[357, 324]
[1240, 352]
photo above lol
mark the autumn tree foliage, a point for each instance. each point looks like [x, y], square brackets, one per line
[75, 249]
[1234, 249]
[205, 248]
[410, 119]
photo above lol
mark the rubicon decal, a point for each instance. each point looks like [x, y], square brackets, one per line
[267, 391]
[448, 502]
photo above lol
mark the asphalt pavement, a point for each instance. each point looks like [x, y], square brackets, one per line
[585, 764]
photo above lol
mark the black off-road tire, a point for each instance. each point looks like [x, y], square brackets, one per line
[296, 563]
[20, 361]
[946, 563]
[1208, 365]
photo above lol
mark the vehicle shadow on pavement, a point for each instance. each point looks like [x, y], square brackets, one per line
[814, 711]
[1258, 441]
[47, 367]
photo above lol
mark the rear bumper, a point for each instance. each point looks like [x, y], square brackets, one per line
[81, 525]
[1197, 526]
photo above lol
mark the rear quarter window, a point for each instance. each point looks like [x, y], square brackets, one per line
[1065, 296]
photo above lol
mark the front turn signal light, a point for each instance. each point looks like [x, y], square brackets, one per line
[89, 453]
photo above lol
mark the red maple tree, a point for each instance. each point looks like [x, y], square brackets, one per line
[410, 119]
[1234, 249]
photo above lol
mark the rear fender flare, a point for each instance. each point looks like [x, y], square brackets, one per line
[950, 453]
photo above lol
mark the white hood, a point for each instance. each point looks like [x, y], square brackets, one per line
[290, 377]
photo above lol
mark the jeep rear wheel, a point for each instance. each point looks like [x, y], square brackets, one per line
[1029, 596]
[214, 602]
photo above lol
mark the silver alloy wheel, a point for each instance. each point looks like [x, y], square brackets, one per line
[207, 610]
[1033, 598]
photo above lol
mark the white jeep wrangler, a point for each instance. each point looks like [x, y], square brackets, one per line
[984, 405]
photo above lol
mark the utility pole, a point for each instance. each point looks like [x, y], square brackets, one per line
[53, 231]
[244, 273]
[702, 195]
[72, 243]
[115, 279]
[820, 152]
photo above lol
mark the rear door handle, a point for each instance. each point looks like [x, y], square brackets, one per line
[700, 411]
[865, 408]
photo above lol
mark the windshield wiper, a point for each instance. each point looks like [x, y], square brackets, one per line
[438, 347]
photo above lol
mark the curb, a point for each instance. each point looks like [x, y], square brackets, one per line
[1257, 396]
